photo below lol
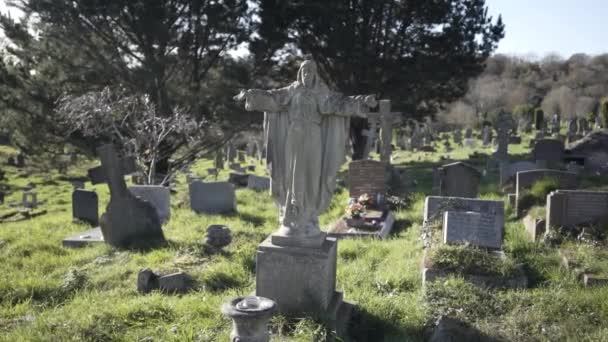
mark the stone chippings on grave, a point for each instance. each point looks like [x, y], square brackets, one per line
[212, 197]
[157, 195]
[477, 229]
[128, 220]
[459, 180]
[85, 206]
[569, 208]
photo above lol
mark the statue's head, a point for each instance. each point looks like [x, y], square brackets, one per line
[308, 75]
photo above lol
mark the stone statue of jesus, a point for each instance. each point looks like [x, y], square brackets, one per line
[305, 129]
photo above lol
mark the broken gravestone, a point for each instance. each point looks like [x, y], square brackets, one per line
[128, 220]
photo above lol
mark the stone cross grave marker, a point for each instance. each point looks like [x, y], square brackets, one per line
[99, 175]
[128, 221]
[85, 206]
[387, 120]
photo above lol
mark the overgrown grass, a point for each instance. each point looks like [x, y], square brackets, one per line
[51, 293]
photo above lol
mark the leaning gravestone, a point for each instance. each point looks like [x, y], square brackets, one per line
[458, 180]
[258, 183]
[128, 220]
[85, 206]
[477, 229]
[157, 195]
[212, 198]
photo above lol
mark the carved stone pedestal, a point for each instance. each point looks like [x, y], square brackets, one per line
[302, 280]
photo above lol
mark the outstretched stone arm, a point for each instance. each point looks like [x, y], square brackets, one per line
[274, 101]
[338, 104]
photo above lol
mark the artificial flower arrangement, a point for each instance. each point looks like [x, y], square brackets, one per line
[356, 208]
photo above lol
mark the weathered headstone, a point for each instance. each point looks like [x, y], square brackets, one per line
[459, 180]
[212, 198]
[487, 135]
[29, 199]
[457, 135]
[85, 206]
[230, 152]
[367, 177]
[477, 229]
[550, 151]
[524, 181]
[5, 139]
[128, 220]
[509, 170]
[258, 183]
[569, 208]
[468, 133]
[436, 206]
[157, 195]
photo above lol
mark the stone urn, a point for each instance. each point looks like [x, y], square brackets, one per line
[250, 317]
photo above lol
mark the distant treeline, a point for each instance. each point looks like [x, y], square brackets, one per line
[567, 87]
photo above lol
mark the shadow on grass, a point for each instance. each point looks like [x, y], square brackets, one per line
[254, 220]
[400, 226]
[365, 326]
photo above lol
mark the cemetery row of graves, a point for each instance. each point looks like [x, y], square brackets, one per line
[497, 233]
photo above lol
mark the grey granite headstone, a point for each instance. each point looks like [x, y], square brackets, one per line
[212, 198]
[436, 206]
[258, 183]
[459, 180]
[159, 196]
[85, 206]
[549, 150]
[508, 171]
[478, 229]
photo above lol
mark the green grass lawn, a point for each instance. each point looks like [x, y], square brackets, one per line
[51, 293]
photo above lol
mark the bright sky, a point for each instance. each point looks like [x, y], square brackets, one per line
[539, 27]
[545, 26]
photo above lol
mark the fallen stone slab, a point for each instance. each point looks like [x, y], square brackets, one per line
[148, 281]
[83, 239]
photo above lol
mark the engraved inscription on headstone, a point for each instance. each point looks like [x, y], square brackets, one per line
[478, 229]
